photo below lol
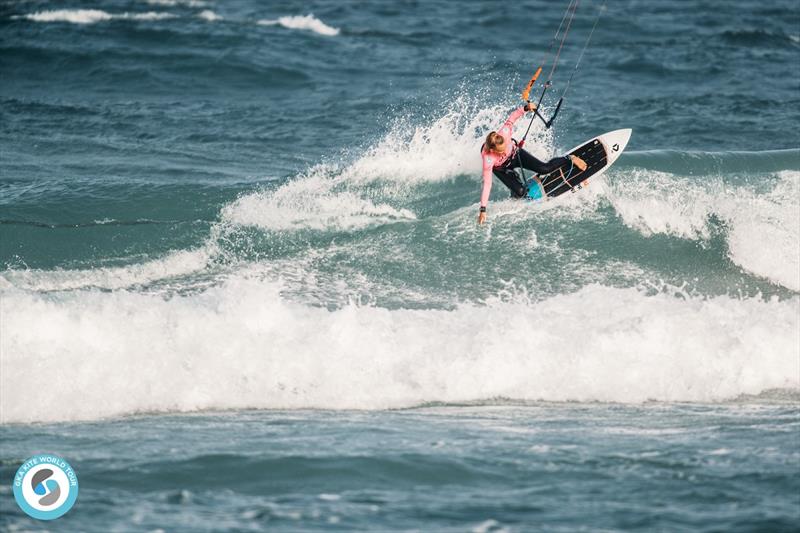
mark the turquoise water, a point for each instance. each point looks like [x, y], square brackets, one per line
[501, 467]
[238, 240]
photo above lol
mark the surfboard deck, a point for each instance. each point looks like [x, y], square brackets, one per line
[599, 154]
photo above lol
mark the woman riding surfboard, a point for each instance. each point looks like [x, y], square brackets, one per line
[501, 155]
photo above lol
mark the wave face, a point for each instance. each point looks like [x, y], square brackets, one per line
[209, 205]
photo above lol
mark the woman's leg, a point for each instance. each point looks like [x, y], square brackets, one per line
[531, 163]
[511, 180]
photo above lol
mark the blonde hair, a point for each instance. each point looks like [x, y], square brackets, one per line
[493, 140]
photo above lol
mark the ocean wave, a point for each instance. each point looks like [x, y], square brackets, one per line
[91, 16]
[241, 345]
[209, 15]
[174, 264]
[764, 237]
[760, 37]
[345, 196]
[311, 202]
[755, 201]
[702, 163]
[762, 228]
[188, 3]
[302, 22]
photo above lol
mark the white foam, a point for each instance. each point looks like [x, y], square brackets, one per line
[189, 3]
[762, 229]
[91, 16]
[209, 15]
[764, 237]
[150, 15]
[661, 203]
[173, 264]
[413, 154]
[302, 22]
[311, 202]
[75, 16]
[240, 345]
[336, 196]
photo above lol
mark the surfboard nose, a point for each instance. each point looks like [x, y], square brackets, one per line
[615, 142]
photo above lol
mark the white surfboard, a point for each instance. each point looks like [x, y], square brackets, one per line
[598, 153]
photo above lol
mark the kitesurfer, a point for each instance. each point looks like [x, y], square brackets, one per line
[501, 155]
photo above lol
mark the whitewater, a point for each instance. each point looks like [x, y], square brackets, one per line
[242, 339]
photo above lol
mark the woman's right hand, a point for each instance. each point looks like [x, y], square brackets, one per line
[481, 217]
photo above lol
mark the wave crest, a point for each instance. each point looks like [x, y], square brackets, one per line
[91, 16]
[762, 229]
[302, 22]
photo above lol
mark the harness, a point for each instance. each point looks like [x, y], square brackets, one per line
[514, 153]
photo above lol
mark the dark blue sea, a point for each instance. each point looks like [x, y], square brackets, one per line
[242, 286]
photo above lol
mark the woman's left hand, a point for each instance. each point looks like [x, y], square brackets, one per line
[530, 107]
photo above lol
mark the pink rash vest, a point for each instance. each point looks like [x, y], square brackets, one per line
[492, 160]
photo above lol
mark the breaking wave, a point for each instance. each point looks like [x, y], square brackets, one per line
[302, 22]
[241, 345]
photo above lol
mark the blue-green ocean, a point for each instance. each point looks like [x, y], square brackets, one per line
[242, 286]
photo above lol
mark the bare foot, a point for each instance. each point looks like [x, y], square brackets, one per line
[578, 162]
